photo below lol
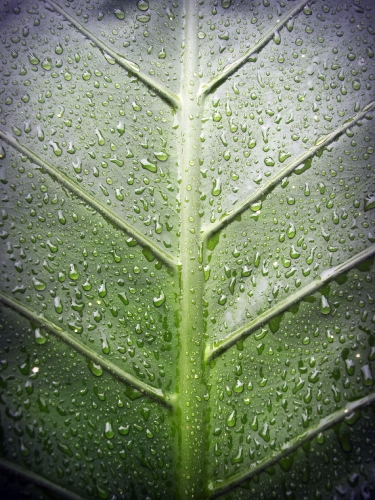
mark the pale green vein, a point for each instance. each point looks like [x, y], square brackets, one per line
[88, 353]
[232, 68]
[172, 99]
[41, 481]
[212, 229]
[219, 488]
[262, 319]
[90, 200]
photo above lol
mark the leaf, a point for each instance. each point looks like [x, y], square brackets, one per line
[187, 292]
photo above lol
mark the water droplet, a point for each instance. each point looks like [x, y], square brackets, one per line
[58, 305]
[100, 137]
[120, 128]
[158, 301]
[56, 148]
[231, 419]
[143, 18]
[162, 54]
[95, 368]
[270, 162]
[325, 308]
[73, 272]
[356, 84]
[86, 75]
[216, 190]
[108, 430]
[367, 376]
[33, 59]
[151, 167]
[47, 64]
[119, 14]
[39, 284]
[105, 346]
[161, 155]
[39, 338]
[142, 4]
[276, 38]
[216, 116]
[122, 296]
[369, 202]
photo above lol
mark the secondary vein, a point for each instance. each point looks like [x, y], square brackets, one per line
[88, 353]
[212, 229]
[90, 200]
[262, 319]
[232, 68]
[172, 99]
[218, 489]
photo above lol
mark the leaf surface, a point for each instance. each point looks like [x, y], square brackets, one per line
[187, 290]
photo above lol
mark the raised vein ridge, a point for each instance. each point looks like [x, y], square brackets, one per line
[41, 481]
[172, 99]
[212, 229]
[262, 319]
[90, 200]
[88, 353]
[232, 68]
[219, 488]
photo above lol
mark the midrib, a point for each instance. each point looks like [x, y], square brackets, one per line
[191, 404]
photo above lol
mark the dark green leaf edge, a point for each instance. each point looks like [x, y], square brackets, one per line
[288, 169]
[123, 376]
[262, 319]
[172, 99]
[232, 68]
[9, 467]
[90, 200]
[219, 488]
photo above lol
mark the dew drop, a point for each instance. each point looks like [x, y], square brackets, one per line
[369, 202]
[39, 338]
[119, 14]
[216, 190]
[158, 301]
[33, 59]
[325, 308]
[161, 155]
[143, 5]
[39, 284]
[73, 272]
[95, 368]
[147, 165]
[231, 419]
[56, 148]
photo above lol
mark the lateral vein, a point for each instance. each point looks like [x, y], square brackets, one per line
[232, 68]
[88, 353]
[212, 229]
[172, 99]
[262, 319]
[39, 480]
[217, 489]
[90, 200]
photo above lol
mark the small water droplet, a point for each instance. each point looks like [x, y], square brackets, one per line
[325, 308]
[158, 301]
[231, 419]
[73, 272]
[119, 14]
[142, 5]
[95, 368]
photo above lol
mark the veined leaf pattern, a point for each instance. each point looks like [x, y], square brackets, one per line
[187, 241]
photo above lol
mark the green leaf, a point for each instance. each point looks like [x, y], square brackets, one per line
[187, 248]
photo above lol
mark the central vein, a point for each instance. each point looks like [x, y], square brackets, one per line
[190, 411]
